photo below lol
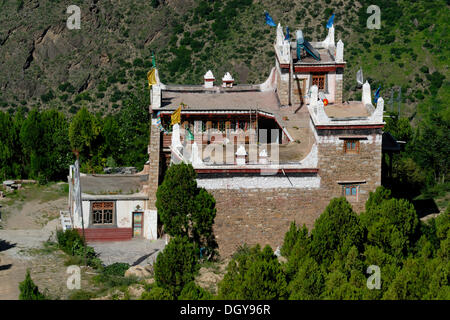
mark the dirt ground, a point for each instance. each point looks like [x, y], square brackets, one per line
[29, 219]
[27, 241]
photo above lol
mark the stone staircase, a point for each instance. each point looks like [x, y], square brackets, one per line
[107, 234]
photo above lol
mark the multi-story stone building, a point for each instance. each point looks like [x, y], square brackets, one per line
[275, 152]
[270, 153]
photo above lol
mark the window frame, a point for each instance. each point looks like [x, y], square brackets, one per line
[351, 196]
[357, 148]
[319, 76]
[113, 214]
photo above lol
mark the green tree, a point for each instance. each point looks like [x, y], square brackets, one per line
[84, 131]
[346, 280]
[336, 230]
[290, 238]
[111, 139]
[8, 143]
[157, 293]
[431, 145]
[254, 274]
[299, 252]
[28, 290]
[176, 265]
[134, 130]
[376, 197]
[191, 291]
[309, 281]
[392, 226]
[399, 128]
[185, 209]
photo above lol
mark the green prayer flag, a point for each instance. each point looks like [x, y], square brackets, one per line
[190, 136]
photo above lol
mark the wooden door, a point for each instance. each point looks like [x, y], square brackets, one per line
[138, 222]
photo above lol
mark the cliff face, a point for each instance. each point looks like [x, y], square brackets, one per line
[39, 53]
[44, 64]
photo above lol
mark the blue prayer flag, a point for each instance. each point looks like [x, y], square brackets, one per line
[330, 22]
[269, 20]
[287, 37]
[377, 94]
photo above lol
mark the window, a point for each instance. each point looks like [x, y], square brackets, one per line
[102, 212]
[319, 81]
[350, 192]
[351, 146]
[243, 125]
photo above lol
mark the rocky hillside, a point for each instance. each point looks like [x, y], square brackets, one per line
[44, 64]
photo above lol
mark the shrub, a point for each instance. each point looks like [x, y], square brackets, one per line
[157, 293]
[193, 292]
[73, 244]
[116, 269]
[335, 231]
[28, 290]
[176, 265]
[254, 275]
[81, 295]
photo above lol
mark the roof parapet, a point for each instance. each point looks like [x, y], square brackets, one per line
[282, 47]
[366, 94]
[340, 51]
[329, 40]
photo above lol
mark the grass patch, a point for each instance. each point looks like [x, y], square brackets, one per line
[82, 295]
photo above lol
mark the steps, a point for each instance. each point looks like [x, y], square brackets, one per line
[107, 234]
[66, 221]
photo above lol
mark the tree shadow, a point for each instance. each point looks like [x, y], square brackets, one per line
[138, 261]
[5, 267]
[425, 207]
[5, 245]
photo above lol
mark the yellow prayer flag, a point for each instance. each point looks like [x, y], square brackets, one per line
[176, 116]
[151, 76]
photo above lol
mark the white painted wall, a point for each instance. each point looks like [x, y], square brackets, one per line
[260, 182]
[124, 210]
[150, 224]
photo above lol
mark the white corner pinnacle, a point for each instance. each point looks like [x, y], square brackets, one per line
[209, 79]
[366, 94]
[378, 113]
[227, 77]
[329, 40]
[195, 156]
[340, 51]
[280, 35]
[314, 96]
[176, 142]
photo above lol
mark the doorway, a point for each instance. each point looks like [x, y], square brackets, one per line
[138, 223]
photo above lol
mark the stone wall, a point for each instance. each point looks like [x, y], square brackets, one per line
[337, 166]
[154, 165]
[339, 85]
[262, 216]
[257, 215]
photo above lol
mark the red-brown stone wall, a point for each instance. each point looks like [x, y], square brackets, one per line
[263, 215]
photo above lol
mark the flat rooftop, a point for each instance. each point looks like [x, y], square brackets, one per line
[326, 57]
[347, 109]
[213, 100]
[117, 184]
